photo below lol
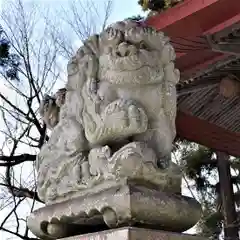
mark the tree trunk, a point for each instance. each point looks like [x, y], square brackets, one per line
[227, 197]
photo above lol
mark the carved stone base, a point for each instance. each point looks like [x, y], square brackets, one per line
[132, 233]
[122, 204]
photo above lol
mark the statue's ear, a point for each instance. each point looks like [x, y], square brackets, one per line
[92, 167]
[41, 108]
[93, 44]
[172, 75]
[46, 97]
[92, 67]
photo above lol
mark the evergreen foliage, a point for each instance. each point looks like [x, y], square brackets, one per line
[200, 167]
[157, 5]
[136, 18]
[9, 62]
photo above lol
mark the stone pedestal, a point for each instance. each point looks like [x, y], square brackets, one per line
[125, 203]
[129, 233]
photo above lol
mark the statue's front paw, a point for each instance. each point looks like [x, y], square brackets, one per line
[137, 119]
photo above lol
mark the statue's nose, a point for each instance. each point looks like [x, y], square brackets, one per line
[123, 49]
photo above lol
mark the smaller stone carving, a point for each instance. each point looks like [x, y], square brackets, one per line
[50, 107]
[134, 160]
[49, 111]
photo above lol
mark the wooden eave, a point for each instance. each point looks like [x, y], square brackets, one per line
[204, 116]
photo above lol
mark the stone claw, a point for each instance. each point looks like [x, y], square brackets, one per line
[137, 118]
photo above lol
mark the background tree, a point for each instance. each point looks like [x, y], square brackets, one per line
[36, 42]
[157, 5]
[4, 47]
[200, 166]
[8, 62]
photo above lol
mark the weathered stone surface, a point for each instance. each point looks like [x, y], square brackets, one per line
[124, 204]
[130, 233]
[120, 89]
[134, 161]
[107, 161]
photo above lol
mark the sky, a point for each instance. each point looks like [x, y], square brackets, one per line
[121, 10]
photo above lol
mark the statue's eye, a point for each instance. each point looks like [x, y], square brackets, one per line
[46, 102]
[142, 45]
[128, 42]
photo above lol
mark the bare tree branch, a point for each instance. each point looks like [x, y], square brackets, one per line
[17, 159]
[23, 192]
[43, 46]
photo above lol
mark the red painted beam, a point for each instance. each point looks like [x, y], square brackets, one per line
[226, 24]
[191, 20]
[179, 12]
[196, 17]
[192, 63]
[207, 134]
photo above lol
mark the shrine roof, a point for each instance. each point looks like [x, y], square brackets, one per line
[206, 37]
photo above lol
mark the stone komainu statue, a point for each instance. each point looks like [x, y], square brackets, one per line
[107, 161]
[119, 100]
